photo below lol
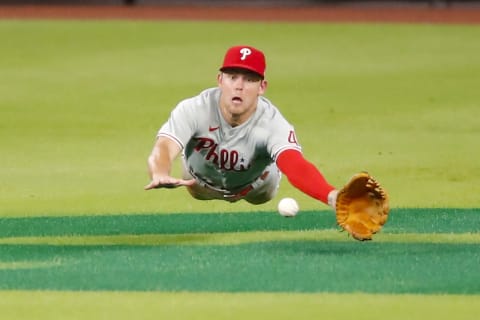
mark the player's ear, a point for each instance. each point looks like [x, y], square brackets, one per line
[263, 87]
[219, 78]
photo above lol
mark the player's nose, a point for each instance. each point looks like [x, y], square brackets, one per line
[239, 83]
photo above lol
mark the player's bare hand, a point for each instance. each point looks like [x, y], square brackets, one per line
[168, 182]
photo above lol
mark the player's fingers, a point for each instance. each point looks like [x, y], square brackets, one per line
[157, 184]
[170, 184]
[150, 186]
[154, 185]
[190, 182]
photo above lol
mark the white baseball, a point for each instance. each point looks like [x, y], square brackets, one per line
[288, 207]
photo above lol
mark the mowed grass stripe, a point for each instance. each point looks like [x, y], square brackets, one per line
[276, 266]
[401, 221]
[163, 223]
[206, 305]
[236, 238]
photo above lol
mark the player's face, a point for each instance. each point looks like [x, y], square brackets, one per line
[240, 91]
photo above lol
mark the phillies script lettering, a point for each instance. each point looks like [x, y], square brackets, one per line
[225, 159]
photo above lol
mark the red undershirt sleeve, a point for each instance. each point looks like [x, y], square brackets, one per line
[303, 175]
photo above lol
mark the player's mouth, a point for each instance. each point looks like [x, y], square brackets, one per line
[237, 100]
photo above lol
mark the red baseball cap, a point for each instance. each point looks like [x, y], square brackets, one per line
[245, 57]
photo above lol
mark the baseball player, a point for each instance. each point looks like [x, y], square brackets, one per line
[235, 143]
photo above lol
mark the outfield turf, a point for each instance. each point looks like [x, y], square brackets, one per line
[242, 252]
[80, 103]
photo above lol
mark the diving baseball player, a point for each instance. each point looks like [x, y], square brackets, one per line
[235, 144]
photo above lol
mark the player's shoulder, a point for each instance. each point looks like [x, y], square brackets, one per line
[210, 94]
[269, 111]
[205, 99]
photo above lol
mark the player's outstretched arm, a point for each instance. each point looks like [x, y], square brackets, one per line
[303, 175]
[164, 152]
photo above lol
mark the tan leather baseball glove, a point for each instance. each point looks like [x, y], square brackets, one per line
[362, 206]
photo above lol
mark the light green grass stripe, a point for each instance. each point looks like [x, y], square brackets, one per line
[158, 305]
[16, 265]
[238, 238]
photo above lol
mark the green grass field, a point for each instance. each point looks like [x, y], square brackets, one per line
[80, 103]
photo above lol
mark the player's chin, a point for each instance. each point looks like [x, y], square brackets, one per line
[236, 110]
[237, 105]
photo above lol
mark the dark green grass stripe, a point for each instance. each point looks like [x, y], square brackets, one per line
[438, 220]
[284, 266]
[400, 221]
[163, 224]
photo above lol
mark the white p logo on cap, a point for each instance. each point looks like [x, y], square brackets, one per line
[245, 52]
[244, 57]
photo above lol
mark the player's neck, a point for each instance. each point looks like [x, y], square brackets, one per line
[236, 119]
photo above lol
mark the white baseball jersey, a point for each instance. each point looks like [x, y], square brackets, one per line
[225, 157]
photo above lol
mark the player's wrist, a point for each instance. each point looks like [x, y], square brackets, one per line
[332, 198]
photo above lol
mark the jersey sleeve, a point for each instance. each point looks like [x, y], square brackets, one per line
[303, 175]
[181, 124]
[284, 140]
[281, 135]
